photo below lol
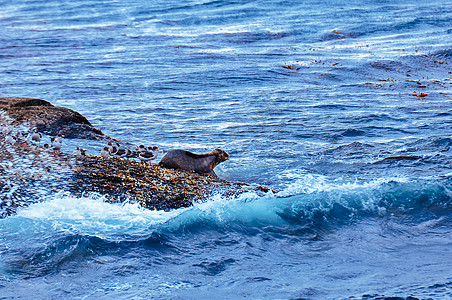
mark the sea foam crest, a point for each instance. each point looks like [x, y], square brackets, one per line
[305, 183]
[95, 217]
[308, 201]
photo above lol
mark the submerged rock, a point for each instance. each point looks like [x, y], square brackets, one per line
[47, 118]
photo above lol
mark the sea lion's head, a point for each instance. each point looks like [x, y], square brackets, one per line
[220, 155]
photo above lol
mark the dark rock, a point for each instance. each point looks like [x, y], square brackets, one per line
[403, 157]
[31, 102]
[49, 119]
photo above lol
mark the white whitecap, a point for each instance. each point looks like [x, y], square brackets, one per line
[95, 217]
[301, 182]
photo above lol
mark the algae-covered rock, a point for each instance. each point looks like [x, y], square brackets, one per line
[152, 186]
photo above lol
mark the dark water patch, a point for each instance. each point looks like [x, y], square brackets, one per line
[55, 254]
[443, 54]
[215, 267]
[332, 77]
[382, 297]
[388, 65]
[338, 34]
[443, 114]
[161, 242]
[383, 117]
[429, 145]
[354, 148]
[37, 262]
[245, 37]
[258, 279]
[333, 106]
[440, 144]
[350, 132]
[431, 61]
[421, 291]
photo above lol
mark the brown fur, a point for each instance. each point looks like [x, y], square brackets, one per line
[199, 163]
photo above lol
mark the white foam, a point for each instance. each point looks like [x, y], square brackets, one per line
[304, 183]
[218, 50]
[92, 216]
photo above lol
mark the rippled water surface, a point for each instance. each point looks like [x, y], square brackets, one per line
[307, 98]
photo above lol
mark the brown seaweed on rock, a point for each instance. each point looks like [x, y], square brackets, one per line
[152, 186]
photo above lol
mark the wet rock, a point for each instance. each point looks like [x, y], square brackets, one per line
[30, 173]
[47, 118]
[403, 157]
[152, 186]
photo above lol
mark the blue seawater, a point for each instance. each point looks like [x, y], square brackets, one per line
[307, 97]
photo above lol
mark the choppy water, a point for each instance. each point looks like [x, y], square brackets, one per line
[307, 98]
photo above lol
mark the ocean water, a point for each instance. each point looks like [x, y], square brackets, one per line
[307, 97]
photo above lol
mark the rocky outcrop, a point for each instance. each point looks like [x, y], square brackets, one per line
[152, 186]
[47, 118]
[30, 173]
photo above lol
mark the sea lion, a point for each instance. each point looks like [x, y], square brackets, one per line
[199, 163]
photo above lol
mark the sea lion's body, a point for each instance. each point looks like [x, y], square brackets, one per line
[199, 163]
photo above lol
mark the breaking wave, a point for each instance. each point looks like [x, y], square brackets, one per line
[310, 201]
